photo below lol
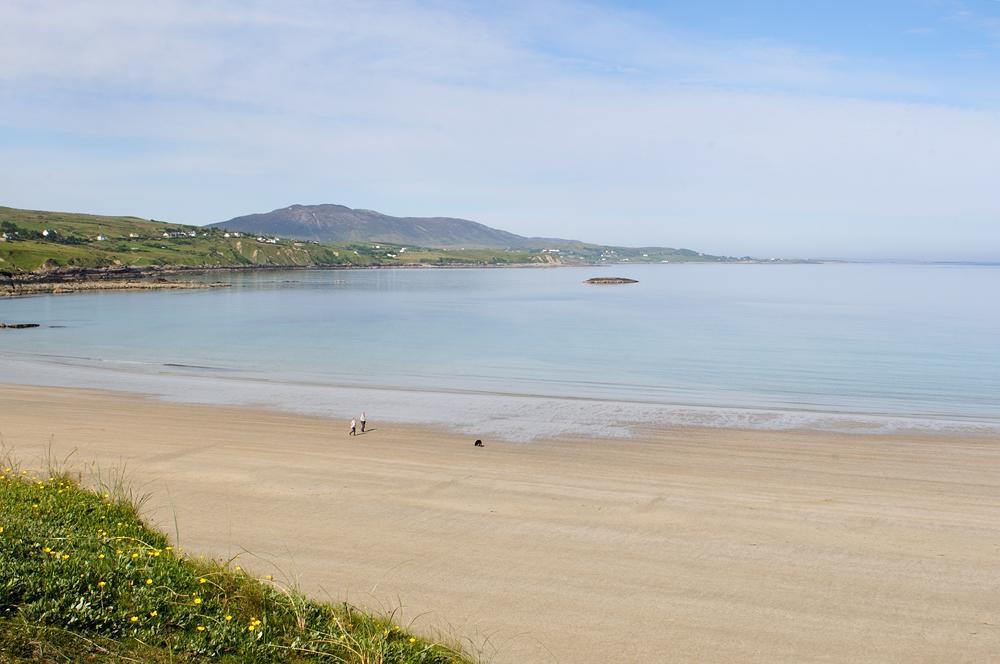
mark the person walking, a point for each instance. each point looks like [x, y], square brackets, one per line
[354, 427]
[363, 421]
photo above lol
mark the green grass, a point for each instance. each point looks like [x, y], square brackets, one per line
[83, 579]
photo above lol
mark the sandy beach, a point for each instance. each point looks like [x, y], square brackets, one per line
[678, 545]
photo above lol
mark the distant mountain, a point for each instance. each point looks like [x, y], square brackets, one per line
[339, 223]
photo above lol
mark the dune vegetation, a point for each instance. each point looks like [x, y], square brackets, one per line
[83, 579]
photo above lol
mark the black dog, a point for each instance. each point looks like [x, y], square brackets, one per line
[478, 443]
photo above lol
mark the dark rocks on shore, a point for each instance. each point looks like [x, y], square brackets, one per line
[611, 280]
[17, 326]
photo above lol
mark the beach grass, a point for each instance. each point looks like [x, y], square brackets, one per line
[83, 579]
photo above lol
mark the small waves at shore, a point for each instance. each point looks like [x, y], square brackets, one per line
[509, 417]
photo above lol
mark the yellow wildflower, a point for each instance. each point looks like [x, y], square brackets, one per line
[269, 577]
[412, 640]
[202, 580]
[134, 556]
[250, 628]
[100, 556]
[46, 550]
[149, 582]
[101, 584]
[134, 619]
[197, 600]
[228, 618]
[153, 614]
[65, 556]
[201, 628]
[1, 529]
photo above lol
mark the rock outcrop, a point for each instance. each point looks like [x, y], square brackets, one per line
[611, 280]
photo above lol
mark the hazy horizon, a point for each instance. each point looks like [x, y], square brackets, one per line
[836, 131]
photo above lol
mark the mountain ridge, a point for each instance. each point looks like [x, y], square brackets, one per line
[333, 222]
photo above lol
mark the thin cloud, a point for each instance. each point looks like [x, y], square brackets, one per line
[607, 127]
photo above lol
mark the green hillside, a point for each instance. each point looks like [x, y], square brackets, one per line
[32, 240]
[37, 240]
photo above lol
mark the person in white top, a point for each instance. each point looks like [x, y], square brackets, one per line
[354, 428]
[362, 422]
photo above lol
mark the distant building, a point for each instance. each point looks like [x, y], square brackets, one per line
[102, 238]
[133, 235]
[45, 233]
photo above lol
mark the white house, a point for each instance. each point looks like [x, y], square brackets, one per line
[102, 238]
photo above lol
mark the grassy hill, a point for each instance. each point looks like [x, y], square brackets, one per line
[38, 240]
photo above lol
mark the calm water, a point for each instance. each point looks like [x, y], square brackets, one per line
[535, 352]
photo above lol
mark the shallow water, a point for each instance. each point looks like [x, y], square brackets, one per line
[523, 353]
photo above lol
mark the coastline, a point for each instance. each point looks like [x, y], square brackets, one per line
[75, 280]
[684, 544]
[128, 277]
[500, 415]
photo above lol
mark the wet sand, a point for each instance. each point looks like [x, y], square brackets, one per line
[679, 545]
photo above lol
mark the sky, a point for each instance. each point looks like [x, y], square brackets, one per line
[796, 129]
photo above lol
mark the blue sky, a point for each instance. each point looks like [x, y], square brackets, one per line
[770, 128]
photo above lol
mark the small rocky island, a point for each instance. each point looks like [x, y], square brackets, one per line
[17, 326]
[611, 280]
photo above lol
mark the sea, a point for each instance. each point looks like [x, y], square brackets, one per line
[536, 353]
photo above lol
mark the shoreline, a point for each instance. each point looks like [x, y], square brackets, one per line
[681, 543]
[483, 413]
[128, 277]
